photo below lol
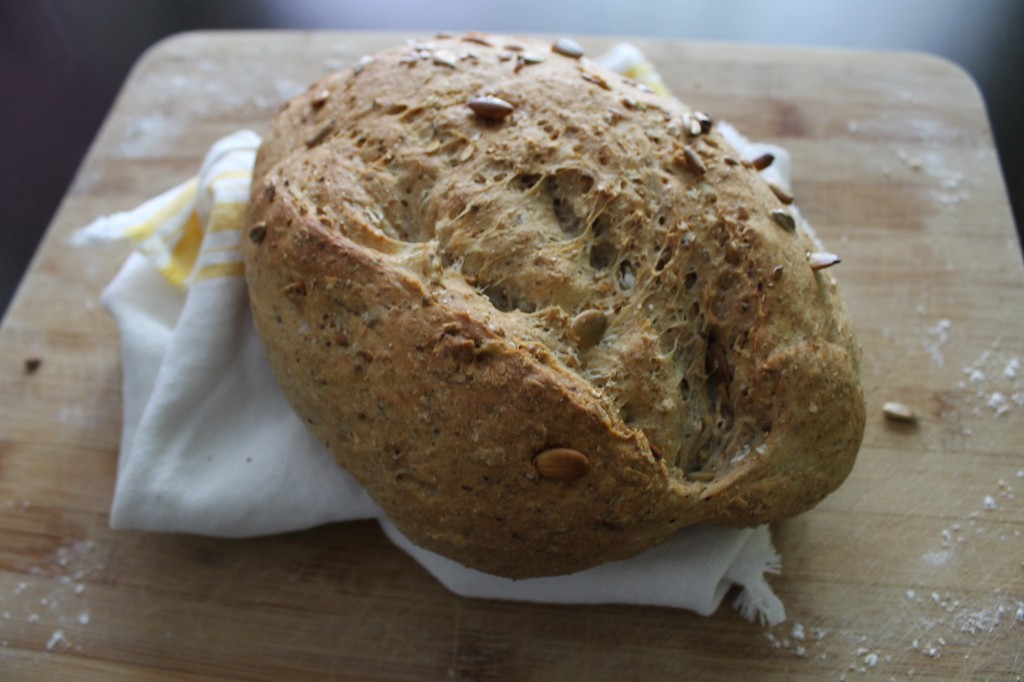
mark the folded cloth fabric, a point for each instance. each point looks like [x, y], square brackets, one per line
[211, 446]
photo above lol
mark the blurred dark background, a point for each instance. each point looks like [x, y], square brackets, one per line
[63, 61]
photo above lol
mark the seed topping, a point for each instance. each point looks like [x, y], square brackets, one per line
[691, 124]
[320, 98]
[784, 219]
[588, 328]
[820, 260]
[763, 161]
[257, 233]
[567, 47]
[477, 38]
[694, 160]
[490, 108]
[526, 58]
[782, 193]
[705, 121]
[363, 62]
[444, 58]
[595, 79]
[561, 464]
[321, 134]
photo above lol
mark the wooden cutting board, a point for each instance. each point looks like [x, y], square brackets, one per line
[912, 569]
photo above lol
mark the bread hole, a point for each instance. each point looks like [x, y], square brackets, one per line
[479, 179]
[684, 388]
[726, 417]
[498, 177]
[413, 113]
[662, 219]
[690, 280]
[627, 278]
[527, 181]
[718, 373]
[602, 254]
[500, 299]
[396, 109]
[567, 219]
[663, 258]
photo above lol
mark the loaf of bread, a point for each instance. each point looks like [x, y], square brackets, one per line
[545, 316]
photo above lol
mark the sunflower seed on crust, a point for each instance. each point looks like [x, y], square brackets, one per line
[444, 58]
[763, 161]
[820, 260]
[567, 47]
[561, 464]
[490, 108]
[784, 219]
[694, 160]
[320, 98]
[783, 194]
[705, 121]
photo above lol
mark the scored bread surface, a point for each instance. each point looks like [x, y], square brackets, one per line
[551, 339]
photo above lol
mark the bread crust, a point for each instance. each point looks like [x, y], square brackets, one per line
[415, 270]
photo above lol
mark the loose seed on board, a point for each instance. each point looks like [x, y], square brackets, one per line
[32, 364]
[898, 412]
[700, 476]
[444, 58]
[784, 219]
[762, 162]
[490, 108]
[705, 121]
[561, 464]
[783, 194]
[320, 98]
[321, 134]
[568, 48]
[694, 161]
[588, 327]
[820, 260]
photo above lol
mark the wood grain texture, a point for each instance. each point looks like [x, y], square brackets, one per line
[913, 566]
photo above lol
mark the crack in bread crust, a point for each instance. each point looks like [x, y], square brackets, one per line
[443, 296]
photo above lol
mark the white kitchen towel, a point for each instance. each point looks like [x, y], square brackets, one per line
[210, 445]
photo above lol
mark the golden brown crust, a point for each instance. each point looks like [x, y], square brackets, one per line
[445, 292]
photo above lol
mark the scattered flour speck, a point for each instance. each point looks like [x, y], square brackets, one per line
[56, 638]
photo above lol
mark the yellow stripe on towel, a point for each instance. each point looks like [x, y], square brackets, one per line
[226, 215]
[215, 270]
[186, 251]
[152, 224]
